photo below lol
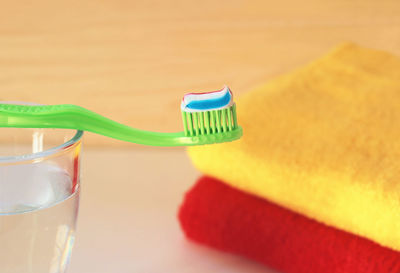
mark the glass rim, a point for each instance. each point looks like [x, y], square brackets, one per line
[45, 153]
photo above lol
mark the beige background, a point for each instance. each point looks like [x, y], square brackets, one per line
[132, 61]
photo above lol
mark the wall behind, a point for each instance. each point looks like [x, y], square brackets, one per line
[133, 60]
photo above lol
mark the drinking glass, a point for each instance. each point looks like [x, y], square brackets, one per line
[39, 198]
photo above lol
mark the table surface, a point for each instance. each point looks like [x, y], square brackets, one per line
[127, 220]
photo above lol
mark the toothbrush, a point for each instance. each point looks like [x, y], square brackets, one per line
[207, 118]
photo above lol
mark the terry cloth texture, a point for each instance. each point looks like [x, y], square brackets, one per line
[228, 219]
[323, 141]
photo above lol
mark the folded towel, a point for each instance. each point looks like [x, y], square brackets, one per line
[228, 219]
[323, 141]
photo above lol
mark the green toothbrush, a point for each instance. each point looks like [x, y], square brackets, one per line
[207, 118]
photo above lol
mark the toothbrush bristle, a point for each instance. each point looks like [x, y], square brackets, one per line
[210, 122]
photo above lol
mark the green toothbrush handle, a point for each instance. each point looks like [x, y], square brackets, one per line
[68, 116]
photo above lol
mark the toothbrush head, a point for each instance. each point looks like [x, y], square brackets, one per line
[210, 114]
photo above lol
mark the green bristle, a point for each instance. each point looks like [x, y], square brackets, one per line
[223, 115]
[207, 122]
[190, 123]
[218, 120]
[228, 111]
[195, 124]
[214, 128]
[201, 119]
[185, 126]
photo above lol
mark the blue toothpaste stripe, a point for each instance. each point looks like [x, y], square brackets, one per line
[209, 104]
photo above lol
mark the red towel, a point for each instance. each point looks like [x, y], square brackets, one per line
[222, 217]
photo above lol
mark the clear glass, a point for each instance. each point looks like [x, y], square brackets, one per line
[39, 198]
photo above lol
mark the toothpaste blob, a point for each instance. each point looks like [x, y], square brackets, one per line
[198, 102]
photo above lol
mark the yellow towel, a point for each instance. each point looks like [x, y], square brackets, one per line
[323, 141]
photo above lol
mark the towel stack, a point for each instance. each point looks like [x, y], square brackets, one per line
[314, 184]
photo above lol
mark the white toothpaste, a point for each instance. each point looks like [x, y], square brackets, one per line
[199, 102]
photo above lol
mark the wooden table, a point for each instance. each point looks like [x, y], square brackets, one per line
[132, 61]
